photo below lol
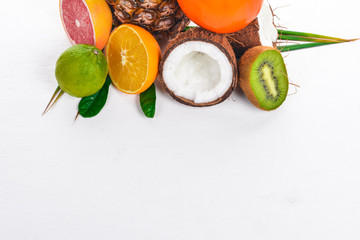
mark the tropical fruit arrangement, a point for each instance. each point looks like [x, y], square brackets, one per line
[199, 51]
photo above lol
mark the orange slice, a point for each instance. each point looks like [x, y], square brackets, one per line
[133, 57]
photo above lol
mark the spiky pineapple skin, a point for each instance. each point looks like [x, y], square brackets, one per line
[160, 17]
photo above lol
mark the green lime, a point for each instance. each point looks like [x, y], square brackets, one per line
[81, 70]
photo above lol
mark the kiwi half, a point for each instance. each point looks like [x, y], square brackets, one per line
[263, 77]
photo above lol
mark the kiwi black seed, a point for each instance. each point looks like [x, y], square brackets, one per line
[263, 77]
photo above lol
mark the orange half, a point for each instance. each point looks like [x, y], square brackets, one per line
[133, 56]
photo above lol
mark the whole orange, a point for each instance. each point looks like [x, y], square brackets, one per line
[225, 16]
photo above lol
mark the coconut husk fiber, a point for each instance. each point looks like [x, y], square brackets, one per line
[246, 38]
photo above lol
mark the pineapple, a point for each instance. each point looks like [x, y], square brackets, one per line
[163, 18]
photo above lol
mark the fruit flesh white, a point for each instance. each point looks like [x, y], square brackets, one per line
[198, 71]
[268, 33]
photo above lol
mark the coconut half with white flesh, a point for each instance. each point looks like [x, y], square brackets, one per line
[199, 68]
[261, 32]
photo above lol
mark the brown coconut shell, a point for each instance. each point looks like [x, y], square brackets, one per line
[245, 65]
[246, 38]
[198, 34]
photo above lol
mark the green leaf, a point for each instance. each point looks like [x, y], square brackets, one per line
[307, 39]
[148, 101]
[283, 33]
[188, 28]
[302, 46]
[314, 40]
[91, 106]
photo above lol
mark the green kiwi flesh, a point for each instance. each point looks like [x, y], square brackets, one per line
[263, 77]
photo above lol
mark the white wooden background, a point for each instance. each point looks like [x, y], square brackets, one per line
[226, 172]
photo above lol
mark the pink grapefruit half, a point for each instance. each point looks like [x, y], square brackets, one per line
[86, 21]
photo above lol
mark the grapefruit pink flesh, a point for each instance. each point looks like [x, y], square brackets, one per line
[77, 21]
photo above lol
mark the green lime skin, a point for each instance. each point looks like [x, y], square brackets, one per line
[81, 70]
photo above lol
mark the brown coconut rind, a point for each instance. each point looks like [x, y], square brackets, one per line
[246, 38]
[198, 34]
[245, 65]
